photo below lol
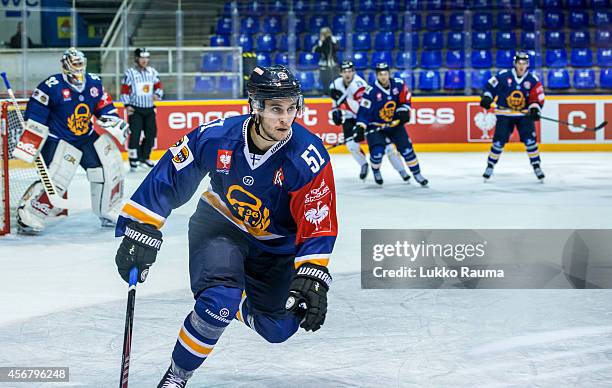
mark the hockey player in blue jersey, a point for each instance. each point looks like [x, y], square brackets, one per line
[383, 112]
[520, 98]
[59, 128]
[263, 232]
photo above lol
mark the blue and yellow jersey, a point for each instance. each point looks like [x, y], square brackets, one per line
[378, 105]
[515, 95]
[66, 110]
[283, 200]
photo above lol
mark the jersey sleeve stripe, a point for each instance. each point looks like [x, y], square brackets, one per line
[140, 213]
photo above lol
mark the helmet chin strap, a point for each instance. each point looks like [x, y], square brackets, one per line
[258, 131]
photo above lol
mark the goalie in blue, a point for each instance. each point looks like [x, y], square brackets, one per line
[59, 129]
[263, 232]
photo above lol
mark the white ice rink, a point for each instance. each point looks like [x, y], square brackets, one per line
[62, 302]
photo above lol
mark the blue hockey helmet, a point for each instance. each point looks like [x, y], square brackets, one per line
[521, 56]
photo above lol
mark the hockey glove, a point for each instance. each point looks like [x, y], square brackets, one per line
[486, 101]
[115, 126]
[337, 116]
[534, 113]
[403, 115]
[138, 249]
[308, 295]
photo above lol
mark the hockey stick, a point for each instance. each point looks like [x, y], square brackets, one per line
[597, 128]
[127, 333]
[378, 126]
[41, 167]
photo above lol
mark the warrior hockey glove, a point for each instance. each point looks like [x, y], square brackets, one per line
[138, 248]
[308, 295]
[403, 115]
[337, 116]
[486, 101]
[534, 113]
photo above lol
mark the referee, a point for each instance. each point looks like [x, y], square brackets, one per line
[140, 87]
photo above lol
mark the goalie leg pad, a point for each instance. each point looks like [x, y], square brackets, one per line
[106, 180]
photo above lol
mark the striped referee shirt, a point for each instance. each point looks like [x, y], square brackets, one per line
[139, 85]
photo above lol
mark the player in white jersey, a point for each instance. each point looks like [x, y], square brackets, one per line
[346, 92]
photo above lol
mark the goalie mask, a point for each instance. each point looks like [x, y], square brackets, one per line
[74, 64]
[273, 83]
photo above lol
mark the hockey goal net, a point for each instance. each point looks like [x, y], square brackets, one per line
[15, 175]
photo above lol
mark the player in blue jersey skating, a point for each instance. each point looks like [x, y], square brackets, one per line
[263, 232]
[383, 112]
[520, 98]
[59, 128]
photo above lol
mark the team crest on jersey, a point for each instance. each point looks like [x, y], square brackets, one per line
[387, 111]
[79, 120]
[378, 96]
[40, 96]
[316, 208]
[279, 177]
[366, 103]
[224, 161]
[182, 155]
[94, 92]
[395, 91]
[66, 94]
[527, 85]
[509, 81]
[248, 208]
[146, 88]
[516, 100]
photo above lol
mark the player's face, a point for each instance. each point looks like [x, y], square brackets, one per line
[383, 78]
[521, 68]
[347, 75]
[277, 117]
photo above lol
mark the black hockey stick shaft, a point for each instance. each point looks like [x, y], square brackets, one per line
[597, 128]
[127, 333]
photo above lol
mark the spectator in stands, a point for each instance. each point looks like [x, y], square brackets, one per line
[16, 39]
[327, 47]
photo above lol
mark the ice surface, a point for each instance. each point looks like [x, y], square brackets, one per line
[62, 303]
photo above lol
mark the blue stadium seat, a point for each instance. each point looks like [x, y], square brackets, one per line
[219, 41]
[281, 59]
[211, 62]
[406, 60]
[224, 25]
[505, 40]
[553, 4]
[226, 84]
[429, 80]
[578, 20]
[604, 57]
[324, 6]
[308, 61]
[371, 77]
[368, 6]
[431, 59]
[339, 24]
[527, 40]
[345, 5]
[503, 59]
[528, 20]
[580, 39]
[252, 8]
[603, 38]
[283, 43]
[528, 4]
[299, 25]
[433, 40]
[364, 22]
[600, 4]
[577, 4]
[382, 56]
[249, 25]
[455, 40]
[407, 76]
[554, 19]
[388, 22]
[454, 80]
[246, 42]
[506, 21]
[278, 6]
[581, 57]
[384, 40]
[479, 78]
[310, 40]
[556, 58]
[434, 21]
[316, 22]
[432, 5]
[272, 24]
[482, 21]
[602, 19]
[391, 5]
[482, 4]
[455, 59]
[301, 6]
[307, 81]
[416, 22]
[362, 41]
[404, 40]
[482, 40]
[205, 84]
[584, 79]
[482, 59]
[508, 4]
[535, 59]
[341, 39]
[554, 39]
[456, 21]
[263, 59]
[605, 78]
[558, 79]
[266, 43]
[360, 60]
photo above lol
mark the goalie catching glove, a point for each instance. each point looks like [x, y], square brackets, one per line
[115, 126]
[308, 295]
[138, 249]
